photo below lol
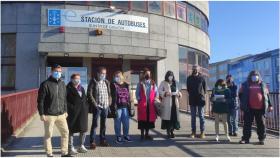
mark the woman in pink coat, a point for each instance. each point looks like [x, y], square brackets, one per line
[146, 94]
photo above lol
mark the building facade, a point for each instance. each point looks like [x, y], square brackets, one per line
[266, 63]
[80, 36]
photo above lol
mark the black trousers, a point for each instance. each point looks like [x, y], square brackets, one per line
[259, 116]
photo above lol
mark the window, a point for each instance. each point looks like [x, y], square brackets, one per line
[181, 11]
[277, 62]
[197, 19]
[199, 59]
[155, 7]
[169, 9]
[120, 4]
[191, 57]
[8, 61]
[183, 66]
[190, 14]
[139, 5]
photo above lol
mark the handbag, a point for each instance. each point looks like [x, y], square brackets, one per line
[157, 106]
[131, 110]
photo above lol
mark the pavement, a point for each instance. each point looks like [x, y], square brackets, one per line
[30, 143]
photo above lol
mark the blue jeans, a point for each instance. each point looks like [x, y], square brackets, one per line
[102, 113]
[233, 121]
[200, 110]
[122, 118]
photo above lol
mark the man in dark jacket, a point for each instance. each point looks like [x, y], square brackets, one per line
[99, 99]
[52, 107]
[254, 103]
[233, 107]
[196, 87]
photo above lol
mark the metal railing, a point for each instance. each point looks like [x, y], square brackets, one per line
[272, 118]
[16, 109]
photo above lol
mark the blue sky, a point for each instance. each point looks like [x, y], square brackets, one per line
[239, 27]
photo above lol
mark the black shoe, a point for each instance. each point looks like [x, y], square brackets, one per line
[172, 135]
[261, 142]
[230, 134]
[49, 155]
[244, 142]
[235, 134]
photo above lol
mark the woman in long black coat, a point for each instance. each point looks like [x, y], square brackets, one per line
[77, 108]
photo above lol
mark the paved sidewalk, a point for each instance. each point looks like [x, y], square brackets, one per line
[30, 143]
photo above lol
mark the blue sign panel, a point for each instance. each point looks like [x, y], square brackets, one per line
[54, 17]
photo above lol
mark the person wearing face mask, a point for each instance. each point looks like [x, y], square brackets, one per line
[99, 99]
[77, 113]
[169, 108]
[221, 98]
[233, 107]
[52, 107]
[121, 104]
[254, 103]
[146, 94]
[196, 87]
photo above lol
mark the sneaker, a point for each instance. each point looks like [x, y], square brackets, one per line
[193, 135]
[228, 138]
[72, 151]
[202, 135]
[49, 155]
[172, 135]
[244, 142]
[119, 140]
[82, 149]
[93, 146]
[127, 139]
[217, 138]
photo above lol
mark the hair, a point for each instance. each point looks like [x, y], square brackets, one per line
[119, 72]
[254, 72]
[101, 68]
[169, 73]
[55, 66]
[74, 75]
[228, 76]
[220, 82]
[146, 69]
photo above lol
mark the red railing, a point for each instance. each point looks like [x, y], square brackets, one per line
[16, 109]
[272, 118]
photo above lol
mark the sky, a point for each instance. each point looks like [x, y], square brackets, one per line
[242, 27]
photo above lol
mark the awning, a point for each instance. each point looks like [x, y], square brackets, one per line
[97, 50]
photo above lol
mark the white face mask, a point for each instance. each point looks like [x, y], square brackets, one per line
[170, 78]
[117, 79]
[220, 87]
[76, 81]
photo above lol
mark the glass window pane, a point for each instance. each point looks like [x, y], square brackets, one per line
[139, 5]
[155, 7]
[190, 14]
[8, 76]
[120, 4]
[169, 9]
[197, 19]
[181, 11]
[191, 57]
[8, 44]
[183, 66]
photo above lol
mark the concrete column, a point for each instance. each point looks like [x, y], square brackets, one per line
[126, 70]
[87, 63]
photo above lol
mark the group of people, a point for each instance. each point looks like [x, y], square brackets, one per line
[67, 107]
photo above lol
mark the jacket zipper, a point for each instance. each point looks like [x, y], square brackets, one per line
[57, 99]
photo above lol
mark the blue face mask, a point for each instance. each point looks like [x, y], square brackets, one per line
[56, 75]
[255, 78]
[117, 79]
[102, 77]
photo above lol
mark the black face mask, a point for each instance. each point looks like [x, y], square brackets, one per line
[194, 72]
[147, 77]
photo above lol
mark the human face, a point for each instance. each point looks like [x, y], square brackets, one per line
[56, 73]
[76, 80]
[147, 75]
[102, 74]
